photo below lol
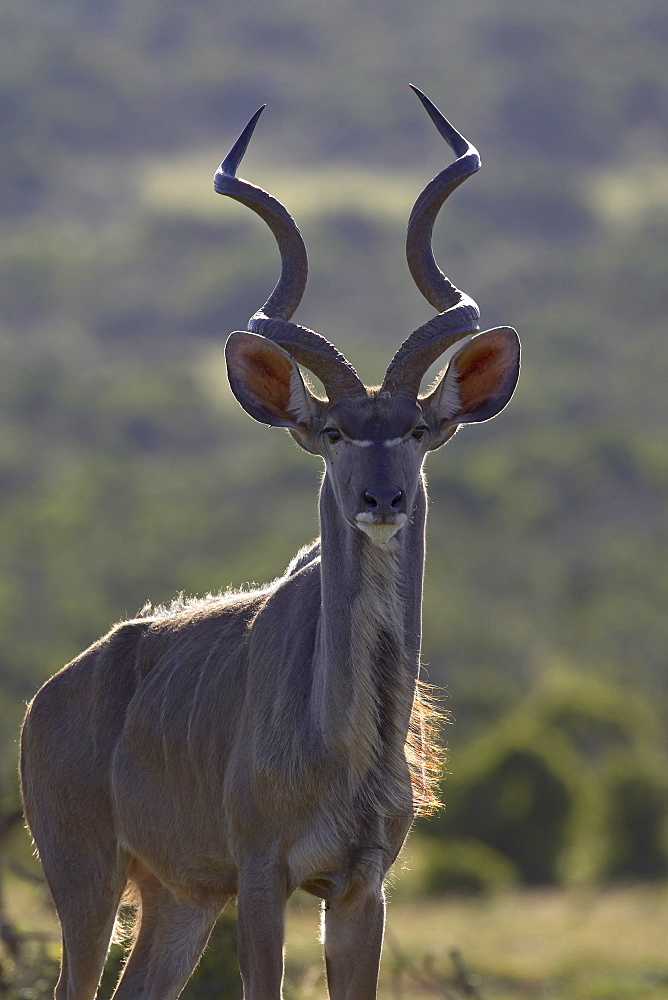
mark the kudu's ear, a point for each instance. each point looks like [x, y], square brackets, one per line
[268, 383]
[477, 383]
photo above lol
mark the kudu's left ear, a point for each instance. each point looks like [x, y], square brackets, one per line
[268, 383]
[477, 383]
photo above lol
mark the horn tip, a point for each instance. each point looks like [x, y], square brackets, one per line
[231, 162]
[459, 145]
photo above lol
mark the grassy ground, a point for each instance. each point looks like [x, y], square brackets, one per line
[585, 945]
[523, 945]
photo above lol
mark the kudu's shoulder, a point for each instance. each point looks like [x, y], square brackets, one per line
[112, 669]
[123, 656]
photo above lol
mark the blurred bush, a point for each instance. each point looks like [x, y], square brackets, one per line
[570, 786]
[217, 974]
[465, 866]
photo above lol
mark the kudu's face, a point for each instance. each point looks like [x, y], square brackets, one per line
[373, 449]
[374, 442]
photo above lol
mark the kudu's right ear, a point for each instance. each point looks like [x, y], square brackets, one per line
[268, 383]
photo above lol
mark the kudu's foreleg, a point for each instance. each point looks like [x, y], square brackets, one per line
[260, 930]
[353, 942]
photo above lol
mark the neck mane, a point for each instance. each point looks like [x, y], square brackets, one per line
[366, 696]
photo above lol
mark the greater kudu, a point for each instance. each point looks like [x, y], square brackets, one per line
[258, 742]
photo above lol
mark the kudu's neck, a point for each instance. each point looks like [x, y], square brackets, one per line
[369, 632]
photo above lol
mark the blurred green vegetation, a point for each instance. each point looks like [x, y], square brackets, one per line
[568, 786]
[128, 473]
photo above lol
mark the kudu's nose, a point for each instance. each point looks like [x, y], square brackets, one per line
[383, 502]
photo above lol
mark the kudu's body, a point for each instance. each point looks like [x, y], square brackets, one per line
[256, 742]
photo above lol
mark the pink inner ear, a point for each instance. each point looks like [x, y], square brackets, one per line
[482, 367]
[267, 378]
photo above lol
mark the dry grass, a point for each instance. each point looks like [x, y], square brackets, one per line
[545, 944]
[576, 945]
[631, 195]
[183, 185]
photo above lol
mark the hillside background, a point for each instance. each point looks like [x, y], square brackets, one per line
[128, 472]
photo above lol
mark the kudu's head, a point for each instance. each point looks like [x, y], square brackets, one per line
[373, 440]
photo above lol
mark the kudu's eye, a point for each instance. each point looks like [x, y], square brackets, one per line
[332, 434]
[419, 432]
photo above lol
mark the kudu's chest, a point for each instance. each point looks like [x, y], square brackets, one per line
[337, 769]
